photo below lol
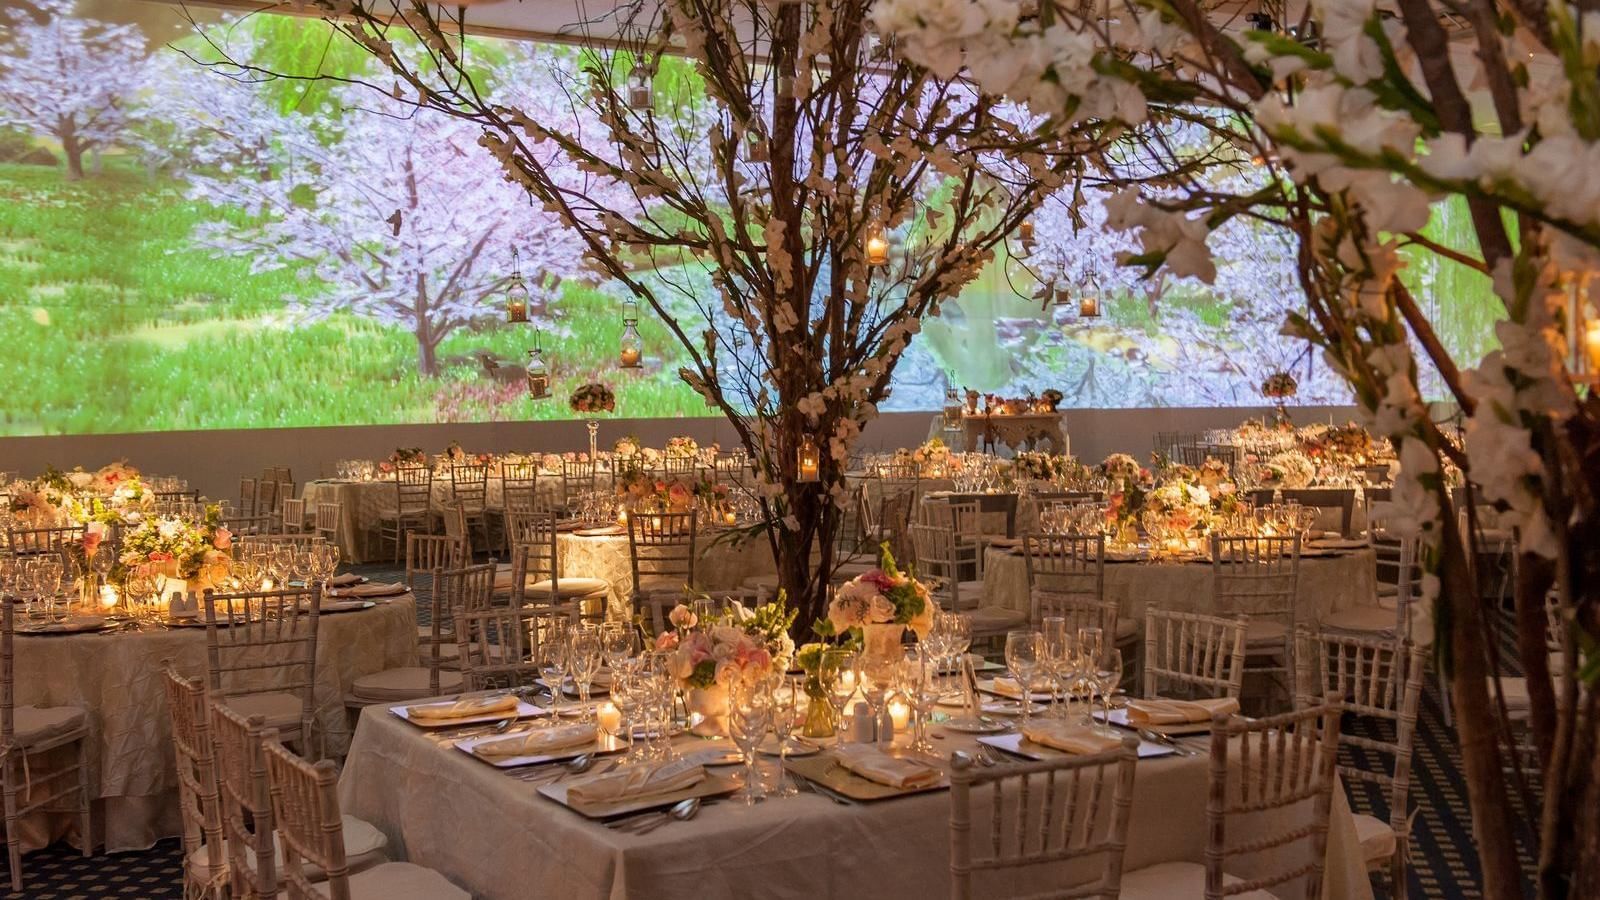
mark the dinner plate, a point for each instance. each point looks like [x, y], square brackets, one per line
[1119, 717]
[825, 770]
[605, 743]
[339, 606]
[990, 707]
[712, 785]
[983, 725]
[1337, 544]
[715, 756]
[524, 711]
[1017, 745]
[75, 625]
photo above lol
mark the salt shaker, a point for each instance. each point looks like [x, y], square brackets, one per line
[862, 729]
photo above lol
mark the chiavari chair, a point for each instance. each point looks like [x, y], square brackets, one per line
[469, 490]
[519, 492]
[413, 509]
[938, 566]
[293, 513]
[425, 554]
[1280, 769]
[577, 479]
[453, 516]
[662, 550]
[205, 862]
[1390, 615]
[42, 541]
[679, 466]
[261, 656]
[1192, 655]
[25, 733]
[1380, 681]
[1067, 578]
[536, 577]
[1260, 577]
[1339, 504]
[1045, 820]
[249, 493]
[436, 645]
[651, 608]
[316, 840]
[327, 523]
[499, 646]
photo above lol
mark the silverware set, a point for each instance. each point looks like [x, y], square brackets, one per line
[641, 823]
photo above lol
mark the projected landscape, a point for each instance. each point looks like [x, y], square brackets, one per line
[179, 250]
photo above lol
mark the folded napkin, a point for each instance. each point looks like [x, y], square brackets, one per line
[642, 780]
[461, 709]
[875, 765]
[345, 580]
[1010, 688]
[1070, 738]
[537, 742]
[370, 589]
[1179, 712]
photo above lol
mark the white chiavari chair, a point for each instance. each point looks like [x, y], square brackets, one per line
[1192, 655]
[679, 466]
[293, 513]
[1055, 821]
[1381, 681]
[535, 576]
[469, 490]
[1260, 577]
[25, 733]
[205, 861]
[413, 509]
[1280, 769]
[328, 519]
[283, 493]
[577, 479]
[261, 656]
[662, 550]
[316, 840]
[939, 566]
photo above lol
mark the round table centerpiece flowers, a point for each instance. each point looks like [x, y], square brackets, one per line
[1173, 513]
[681, 447]
[593, 399]
[882, 603]
[1289, 469]
[1125, 493]
[708, 652]
[180, 549]
[932, 458]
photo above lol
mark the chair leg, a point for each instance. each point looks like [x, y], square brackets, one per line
[13, 837]
[85, 822]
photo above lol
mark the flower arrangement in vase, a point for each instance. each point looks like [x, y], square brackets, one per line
[1174, 512]
[708, 652]
[681, 447]
[1289, 469]
[881, 604]
[180, 548]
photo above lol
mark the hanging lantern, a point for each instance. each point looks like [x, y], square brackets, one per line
[516, 294]
[1063, 296]
[538, 372]
[877, 245]
[755, 149]
[639, 93]
[809, 461]
[630, 354]
[1025, 231]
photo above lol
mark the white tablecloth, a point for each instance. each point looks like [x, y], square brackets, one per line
[496, 837]
[723, 562]
[1327, 584]
[116, 679]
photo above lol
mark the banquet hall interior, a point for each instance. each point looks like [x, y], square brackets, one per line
[799, 448]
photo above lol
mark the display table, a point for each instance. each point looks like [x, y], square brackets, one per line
[498, 838]
[116, 678]
[1023, 431]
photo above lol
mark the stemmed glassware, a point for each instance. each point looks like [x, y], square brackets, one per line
[584, 661]
[789, 703]
[876, 676]
[48, 588]
[1022, 659]
[920, 685]
[749, 717]
[837, 673]
[957, 639]
[1055, 657]
[1107, 674]
[139, 591]
[554, 647]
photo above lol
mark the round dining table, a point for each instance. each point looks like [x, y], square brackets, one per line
[725, 558]
[364, 502]
[116, 678]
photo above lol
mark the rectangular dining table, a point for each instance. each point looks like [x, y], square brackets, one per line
[497, 837]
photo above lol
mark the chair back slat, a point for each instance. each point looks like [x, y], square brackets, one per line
[264, 642]
[1192, 654]
[499, 646]
[305, 809]
[43, 541]
[662, 546]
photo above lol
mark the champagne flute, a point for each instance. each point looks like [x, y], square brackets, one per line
[1055, 650]
[837, 673]
[923, 693]
[584, 662]
[749, 717]
[958, 639]
[1022, 659]
[554, 647]
[1107, 673]
[789, 703]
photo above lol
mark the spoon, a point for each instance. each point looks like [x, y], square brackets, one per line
[497, 728]
[682, 811]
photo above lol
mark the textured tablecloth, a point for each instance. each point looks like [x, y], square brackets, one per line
[496, 837]
[723, 564]
[116, 678]
[365, 501]
[1327, 584]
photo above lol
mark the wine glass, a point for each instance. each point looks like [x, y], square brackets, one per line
[789, 703]
[921, 688]
[554, 646]
[616, 643]
[1022, 659]
[749, 717]
[958, 639]
[584, 662]
[876, 676]
[836, 671]
[1091, 641]
[1107, 674]
[141, 585]
[47, 585]
[1054, 653]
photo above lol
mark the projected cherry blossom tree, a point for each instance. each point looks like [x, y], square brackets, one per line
[418, 230]
[68, 78]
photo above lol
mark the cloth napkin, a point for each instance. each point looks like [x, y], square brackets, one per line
[642, 780]
[1179, 712]
[1070, 738]
[1010, 688]
[875, 765]
[537, 742]
[345, 580]
[371, 589]
[461, 709]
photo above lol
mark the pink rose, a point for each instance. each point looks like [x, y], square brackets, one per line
[682, 617]
[223, 539]
[667, 640]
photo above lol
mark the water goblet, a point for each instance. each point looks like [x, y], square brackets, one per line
[789, 704]
[749, 717]
[1055, 649]
[554, 652]
[585, 662]
[1107, 674]
[1022, 659]
[836, 671]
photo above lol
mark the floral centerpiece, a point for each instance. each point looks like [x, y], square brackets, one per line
[642, 492]
[179, 547]
[404, 456]
[707, 654]
[881, 604]
[1033, 465]
[592, 399]
[681, 447]
[1280, 385]
[1289, 469]
[39, 502]
[932, 458]
[1125, 481]
[1175, 510]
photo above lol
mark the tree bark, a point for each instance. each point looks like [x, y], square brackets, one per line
[71, 147]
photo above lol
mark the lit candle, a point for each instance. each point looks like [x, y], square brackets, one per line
[622, 517]
[108, 596]
[609, 718]
[877, 250]
[1089, 306]
[630, 356]
[729, 518]
[1025, 230]
[1591, 345]
[900, 714]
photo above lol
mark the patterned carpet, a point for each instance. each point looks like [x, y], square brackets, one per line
[1444, 864]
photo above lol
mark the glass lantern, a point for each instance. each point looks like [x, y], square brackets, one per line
[630, 356]
[876, 245]
[639, 93]
[808, 464]
[516, 294]
[538, 375]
